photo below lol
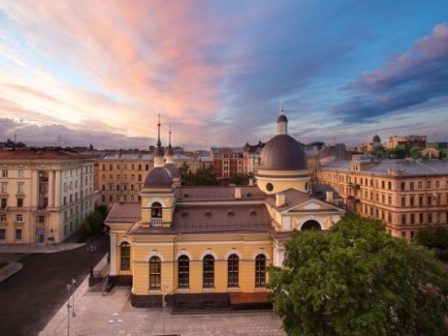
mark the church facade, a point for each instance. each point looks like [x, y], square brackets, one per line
[200, 247]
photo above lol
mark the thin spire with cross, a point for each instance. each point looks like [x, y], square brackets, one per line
[169, 137]
[158, 133]
[282, 105]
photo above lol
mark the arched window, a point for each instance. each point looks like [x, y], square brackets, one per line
[125, 256]
[311, 225]
[154, 273]
[232, 270]
[183, 272]
[156, 214]
[208, 271]
[260, 271]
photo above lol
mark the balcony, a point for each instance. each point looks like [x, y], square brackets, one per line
[156, 221]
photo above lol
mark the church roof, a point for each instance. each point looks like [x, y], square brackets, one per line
[283, 152]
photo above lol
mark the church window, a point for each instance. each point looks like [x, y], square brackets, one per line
[156, 214]
[154, 273]
[260, 270]
[232, 271]
[269, 187]
[183, 269]
[208, 270]
[125, 256]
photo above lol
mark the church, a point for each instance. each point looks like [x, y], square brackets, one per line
[210, 247]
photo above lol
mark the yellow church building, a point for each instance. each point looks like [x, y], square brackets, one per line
[209, 247]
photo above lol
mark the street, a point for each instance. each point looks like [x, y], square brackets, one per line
[29, 298]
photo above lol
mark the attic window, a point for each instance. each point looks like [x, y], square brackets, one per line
[253, 213]
[207, 214]
[186, 195]
[230, 213]
[184, 214]
[248, 194]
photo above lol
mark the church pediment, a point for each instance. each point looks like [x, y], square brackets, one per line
[313, 205]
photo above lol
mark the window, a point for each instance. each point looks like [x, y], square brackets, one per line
[156, 214]
[208, 271]
[4, 203]
[4, 187]
[269, 187]
[403, 219]
[18, 234]
[232, 271]
[19, 218]
[125, 256]
[20, 187]
[403, 201]
[4, 173]
[20, 202]
[183, 272]
[41, 219]
[3, 218]
[154, 273]
[421, 218]
[403, 185]
[260, 271]
[2, 234]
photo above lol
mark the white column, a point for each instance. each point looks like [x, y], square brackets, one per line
[34, 188]
[50, 189]
[113, 256]
[57, 189]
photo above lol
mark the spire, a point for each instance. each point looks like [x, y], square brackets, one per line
[158, 132]
[169, 138]
[282, 121]
[169, 152]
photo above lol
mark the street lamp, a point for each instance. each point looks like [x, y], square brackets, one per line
[73, 297]
[91, 248]
[68, 308]
[164, 305]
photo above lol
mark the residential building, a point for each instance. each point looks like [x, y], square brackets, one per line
[44, 195]
[209, 247]
[227, 162]
[406, 195]
[251, 156]
[407, 141]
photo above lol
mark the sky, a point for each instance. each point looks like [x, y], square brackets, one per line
[99, 72]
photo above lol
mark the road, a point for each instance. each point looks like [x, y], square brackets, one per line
[29, 298]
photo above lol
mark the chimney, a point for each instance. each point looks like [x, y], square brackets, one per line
[329, 197]
[237, 193]
[280, 200]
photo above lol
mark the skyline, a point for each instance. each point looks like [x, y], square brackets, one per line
[97, 73]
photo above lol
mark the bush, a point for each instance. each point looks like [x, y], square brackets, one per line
[93, 223]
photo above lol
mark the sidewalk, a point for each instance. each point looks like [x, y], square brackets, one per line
[37, 248]
[10, 269]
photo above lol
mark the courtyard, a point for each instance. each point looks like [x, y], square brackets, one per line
[94, 313]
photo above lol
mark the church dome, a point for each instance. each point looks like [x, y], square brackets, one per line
[282, 152]
[376, 138]
[158, 177]
[172, 168]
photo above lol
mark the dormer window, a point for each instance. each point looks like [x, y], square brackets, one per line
[230, 213]
[253, 213]
[156, 214]
[207, 214]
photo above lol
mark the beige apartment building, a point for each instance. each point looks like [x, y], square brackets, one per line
[44, 195]
[406, 195]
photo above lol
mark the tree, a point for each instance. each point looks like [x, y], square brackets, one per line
[203, 177]
[433, 238]
[357, 280]
[415, 152]
[239, 179]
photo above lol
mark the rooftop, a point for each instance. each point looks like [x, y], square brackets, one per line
[38, 155]
[406, 167]
[127, 156]
[221, 193]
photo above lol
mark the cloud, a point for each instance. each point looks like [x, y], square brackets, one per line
[412, 78]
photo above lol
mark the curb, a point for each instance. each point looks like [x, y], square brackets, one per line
[9, 270]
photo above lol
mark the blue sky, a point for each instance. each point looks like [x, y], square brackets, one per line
[96, 72]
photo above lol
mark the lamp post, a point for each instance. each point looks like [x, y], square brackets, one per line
[164, 305]
[91, 248]
[68, 308]
[73, 297]
[114, 323]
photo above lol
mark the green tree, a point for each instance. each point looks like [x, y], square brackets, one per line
[433, 238]
[203, 177]
[357, 280]
[415, 152]
[239, 179]
[397, 152]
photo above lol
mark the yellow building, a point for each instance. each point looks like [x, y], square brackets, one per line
[44, 195]
[210, 246]
[406, 195]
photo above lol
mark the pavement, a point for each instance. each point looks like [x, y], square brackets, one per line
[30, 298]
[94, 313]
[38, 248]
[10, 269]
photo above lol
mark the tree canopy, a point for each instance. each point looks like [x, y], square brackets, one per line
[202, 177]
[357, 280]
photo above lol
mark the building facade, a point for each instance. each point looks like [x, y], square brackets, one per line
[406, 195]
[44, 195]
[407, 141]
[227, 162]
[209, 247]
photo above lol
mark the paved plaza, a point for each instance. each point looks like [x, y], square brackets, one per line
[94, 311]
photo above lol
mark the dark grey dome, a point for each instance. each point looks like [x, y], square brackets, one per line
[174, 171]
[282, 152]
[376, 138]
[282, 118]
[158, 177]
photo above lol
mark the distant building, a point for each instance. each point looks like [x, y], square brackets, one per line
[405, 195]
[251, 157]
[44, 195]
[407, 141]
[227, 162]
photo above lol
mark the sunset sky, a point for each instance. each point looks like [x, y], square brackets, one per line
[100, 71]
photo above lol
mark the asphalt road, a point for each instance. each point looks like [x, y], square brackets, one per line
[29, 298]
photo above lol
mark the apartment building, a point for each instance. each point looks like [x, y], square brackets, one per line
[120, 176]
[406, 195]
[227, 162]
[44, 195]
